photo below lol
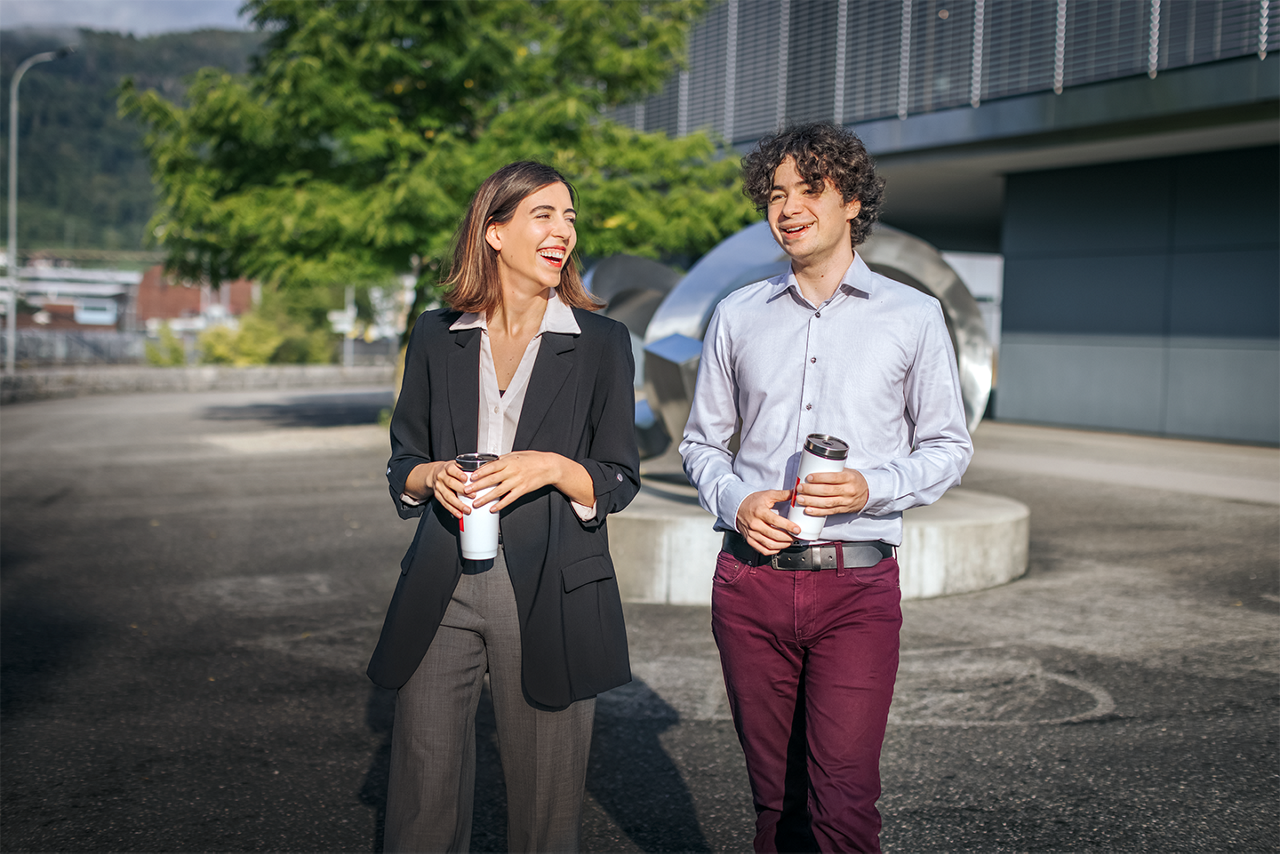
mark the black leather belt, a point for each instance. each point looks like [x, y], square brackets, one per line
[810, 556]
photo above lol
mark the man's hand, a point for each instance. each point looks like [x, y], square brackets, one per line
[829, 493]
[766, 531]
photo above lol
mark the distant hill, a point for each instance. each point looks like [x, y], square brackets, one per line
[83, 182]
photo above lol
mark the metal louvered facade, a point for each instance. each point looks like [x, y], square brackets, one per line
[755, 65]
[707, 80]
[757, 81]
[811, 60]
[874, 50]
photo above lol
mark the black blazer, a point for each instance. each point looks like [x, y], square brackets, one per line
[580, 403]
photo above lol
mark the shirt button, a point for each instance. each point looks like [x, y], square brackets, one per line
[813, 359]
[817, 314]
[495, 409]
[808, 406]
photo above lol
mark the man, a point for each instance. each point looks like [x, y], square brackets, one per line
[808, 632]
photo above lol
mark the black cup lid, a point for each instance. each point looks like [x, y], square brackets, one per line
[827, 447]
[471, 462]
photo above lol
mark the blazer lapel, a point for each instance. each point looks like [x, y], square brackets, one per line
[550, 371]
[464, 390]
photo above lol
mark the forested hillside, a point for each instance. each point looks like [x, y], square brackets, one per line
[83, 180]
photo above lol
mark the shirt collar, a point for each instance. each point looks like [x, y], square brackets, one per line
[557, 318]
[857, 279]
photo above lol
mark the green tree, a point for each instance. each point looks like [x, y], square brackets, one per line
[358, 137]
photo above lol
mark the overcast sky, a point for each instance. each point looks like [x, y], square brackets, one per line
[140, 17]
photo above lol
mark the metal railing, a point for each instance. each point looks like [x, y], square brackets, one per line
[36, 348]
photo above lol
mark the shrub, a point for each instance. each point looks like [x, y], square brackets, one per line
[168, 352]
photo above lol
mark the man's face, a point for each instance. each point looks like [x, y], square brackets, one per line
[810, 223]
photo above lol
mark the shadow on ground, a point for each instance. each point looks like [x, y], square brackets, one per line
[319, 410]
[630, 774]
[42, 637]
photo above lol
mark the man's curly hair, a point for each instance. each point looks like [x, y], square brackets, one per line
[820, 150]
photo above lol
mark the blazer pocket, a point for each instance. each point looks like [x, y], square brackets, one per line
[581, 572]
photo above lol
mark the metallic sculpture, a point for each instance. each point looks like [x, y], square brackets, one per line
[672, 332]
[633, 288]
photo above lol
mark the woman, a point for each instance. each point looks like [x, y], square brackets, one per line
[521, 368]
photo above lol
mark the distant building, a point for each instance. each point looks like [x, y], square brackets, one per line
[94, 300]
[69, 299]
[76, 315]
[188, 308]
[1122, 158]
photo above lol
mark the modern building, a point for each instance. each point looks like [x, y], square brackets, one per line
[1119, 158]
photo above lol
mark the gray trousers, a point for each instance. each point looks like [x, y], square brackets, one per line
[431, 790]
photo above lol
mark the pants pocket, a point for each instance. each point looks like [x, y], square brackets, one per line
[729, 570]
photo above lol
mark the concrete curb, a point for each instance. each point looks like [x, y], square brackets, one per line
[73, 382]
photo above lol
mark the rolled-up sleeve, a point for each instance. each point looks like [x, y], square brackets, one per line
[613, 461]
[410, 427]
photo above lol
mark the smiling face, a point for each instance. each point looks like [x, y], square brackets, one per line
[535, 245]
[810, 222]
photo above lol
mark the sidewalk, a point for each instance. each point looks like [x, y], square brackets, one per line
[1245, 472]
[192, 585]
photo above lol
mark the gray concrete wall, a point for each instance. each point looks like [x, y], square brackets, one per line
[1145, 296]
[72, 382]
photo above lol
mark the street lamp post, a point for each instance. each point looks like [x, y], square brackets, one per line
[11, 321]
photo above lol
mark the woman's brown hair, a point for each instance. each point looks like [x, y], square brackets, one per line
[472, 283]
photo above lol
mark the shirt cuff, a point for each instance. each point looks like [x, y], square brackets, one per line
[407, 499]
[879, 491]
[585, 513]
[731, 497]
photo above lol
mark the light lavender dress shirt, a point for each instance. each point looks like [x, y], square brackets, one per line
[873, 365]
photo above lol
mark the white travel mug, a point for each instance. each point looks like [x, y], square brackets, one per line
[477, 530]
[822, 453]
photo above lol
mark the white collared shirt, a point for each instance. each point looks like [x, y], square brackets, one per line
[499, 410]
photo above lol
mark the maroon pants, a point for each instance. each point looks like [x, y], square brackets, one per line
[809, 661]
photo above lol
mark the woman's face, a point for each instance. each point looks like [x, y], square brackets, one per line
[535, 245]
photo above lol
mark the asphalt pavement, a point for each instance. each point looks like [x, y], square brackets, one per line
[190, 586]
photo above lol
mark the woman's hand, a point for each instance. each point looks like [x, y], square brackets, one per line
[443, 480]
[522, 472]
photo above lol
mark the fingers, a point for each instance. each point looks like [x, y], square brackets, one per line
[449, 482]
[509, 468]
[768, 540]
[766, 531]
[505, 480]
[830, 493]
[818, 497]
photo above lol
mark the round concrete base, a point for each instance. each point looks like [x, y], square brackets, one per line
[964, 542]
[665, 550]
